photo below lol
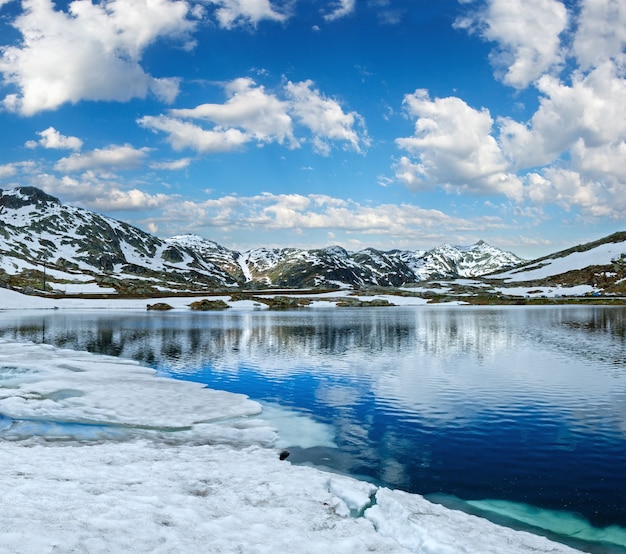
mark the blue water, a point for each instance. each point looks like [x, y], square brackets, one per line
[521, 405]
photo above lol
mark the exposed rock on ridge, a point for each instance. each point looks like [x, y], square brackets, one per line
[38, 232]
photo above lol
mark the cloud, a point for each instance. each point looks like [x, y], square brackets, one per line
[262, 116]
[453, 148]
[604, 164]
[90, 52]
[567, 189]
[51, 138]
[7, 170]
[25, 170]
[182, 135]
[232, 13]
[129, 200]
[601, 33]
[527, 35]
[175, 165]
[574, 144]
[250, 114]
[110, 158]
[591, 109]
[341, 9]
[98, 194]
[325, 118]
[298, 213]
[570, 152]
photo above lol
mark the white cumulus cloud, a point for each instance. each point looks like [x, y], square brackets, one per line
[527, 35]
[592, 109]
[89, 52]
[182, 135]
[251, 114]
[262, 116]
[51, 138]
[95, 193]
[110, 158]
[453, 147]
[232, 13]
[7, 170]
[570, 152]
[326, 118]
[576, 142]
[601, 33]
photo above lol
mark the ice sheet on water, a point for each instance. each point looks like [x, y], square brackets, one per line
[41, 383]
[296, 429]
[559, 522]
[428, 528]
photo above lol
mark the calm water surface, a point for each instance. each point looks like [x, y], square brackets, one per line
[522, 405]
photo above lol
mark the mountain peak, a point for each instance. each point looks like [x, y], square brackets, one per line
[24, 196]
[113, 253]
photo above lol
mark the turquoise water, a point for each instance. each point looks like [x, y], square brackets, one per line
[517, 414]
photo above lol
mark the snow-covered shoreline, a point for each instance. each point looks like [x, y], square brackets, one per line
[159, 465]
[196, 471]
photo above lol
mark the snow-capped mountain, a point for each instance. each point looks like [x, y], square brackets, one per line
[37, 232]
[601, 263]
[41, 238]
[461, 261]
[336, 267]
[330, 267]
[229, 261]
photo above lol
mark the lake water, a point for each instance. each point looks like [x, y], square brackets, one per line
[516, 413]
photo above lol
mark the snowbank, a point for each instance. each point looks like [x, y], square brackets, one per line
[12, 300]
[600, 255]
[187, 469]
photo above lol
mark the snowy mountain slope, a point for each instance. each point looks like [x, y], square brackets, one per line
[334, 266]
[37, 230]
[447, 261]
[292, 267]
[604, 259]
[210, 251]
[39, 234]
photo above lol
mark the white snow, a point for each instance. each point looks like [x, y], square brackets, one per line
[550, 292]
[244, 267]
[12, 300]
[601, 255]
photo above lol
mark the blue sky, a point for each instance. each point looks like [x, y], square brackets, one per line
[306, 123]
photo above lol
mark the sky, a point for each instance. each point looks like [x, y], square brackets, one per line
[309, 123]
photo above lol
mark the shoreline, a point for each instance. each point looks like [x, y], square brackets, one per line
[218, 480]
[299, 299]
[255, 434]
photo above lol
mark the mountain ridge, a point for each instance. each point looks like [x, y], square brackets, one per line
[336, 266]
[45, 244]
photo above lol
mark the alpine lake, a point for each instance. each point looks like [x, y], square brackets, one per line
[516, 413]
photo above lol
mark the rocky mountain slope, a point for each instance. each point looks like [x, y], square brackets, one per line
[39, 233]
[46, 244]
[601, 264]
[336, 267]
